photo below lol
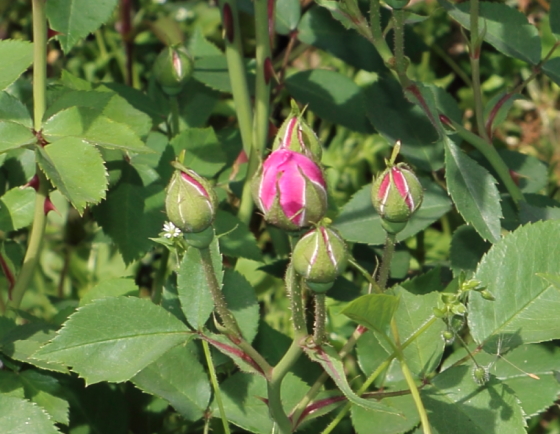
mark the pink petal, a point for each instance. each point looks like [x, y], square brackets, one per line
[402, 187]
[199, 187]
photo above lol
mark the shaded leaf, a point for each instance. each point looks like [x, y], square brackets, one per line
[204, 154]
[13, 110]
[179, 378]
[376, 422]
[286, 16]
[235, 238]
[332, 96]
[47, 392]
[467, 248]
[373, 311]
[507, 29]
[14, 135]
[474, 192]
[242, 302]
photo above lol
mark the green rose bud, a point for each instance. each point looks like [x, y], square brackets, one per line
[320, 256]
[396, 195]
[172, 69]
[296, 135]
[190, 202]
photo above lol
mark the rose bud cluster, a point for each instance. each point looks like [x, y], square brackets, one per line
[172, 69]
[320, 256]
[396, 194]
[289, 187]
[190, 202]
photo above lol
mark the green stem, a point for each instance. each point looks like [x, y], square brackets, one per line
[238, 76]
[214, 381]
[262, 85]
[39, 105]
[475, 46]
[174, 103]
[246, 206]
[377, 32]
[283, 422]
[401, 62]
[386, 261]
[226, 316]
[342, 414]
[294, 290]
[160, 277]
[491, 154]
[410, 380]
[320, 319]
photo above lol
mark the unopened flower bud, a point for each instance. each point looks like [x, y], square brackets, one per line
[480, 375]
[296, 134]
[396, 195]
[320, 256]
[190, 202]
[290, 190]
[172, 69]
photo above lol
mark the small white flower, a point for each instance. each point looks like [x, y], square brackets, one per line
[182, 13]
[170, 230]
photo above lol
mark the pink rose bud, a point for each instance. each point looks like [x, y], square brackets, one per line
[396, 195]
[290, 190]
[296, 134]
[320, 256]
[190, 202]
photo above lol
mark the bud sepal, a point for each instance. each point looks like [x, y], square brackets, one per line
[173, 68]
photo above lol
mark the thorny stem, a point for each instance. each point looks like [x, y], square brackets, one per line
[294, 289]
[386, 261]
[320, 319]
[372, 283]
[216, 387]
[378, 40]
[401, 62]
[160, 277]
[227, 317]
[174, 103]
[39, 105]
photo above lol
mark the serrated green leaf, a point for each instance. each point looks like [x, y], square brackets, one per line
[19, 416]
[89, 125]
[332, 96]
[467, 248]
[242, 302]
[529, 213]
[47, 392]
[376, 422]
[456, 403]
[106, 102]
[373, 311]
[359, 222]
[21, 342]
[506, 28]
[474, 192]
[193, 286]
[199, 46]
[16, 208]
[179, 378]
[318, 28]
[526, 305]
[112, 340]
[117, 287]
[75, 19]
[286, 16]
[17, 57]
[552, 68]
[13, 110]
[76, 168]
[14, 135]
[236, 240]
[204, 154]
[132, 214]
[329, 359]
